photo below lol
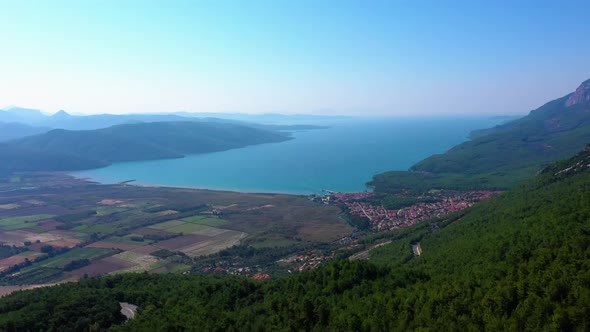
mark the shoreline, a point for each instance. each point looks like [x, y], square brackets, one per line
[139, 183]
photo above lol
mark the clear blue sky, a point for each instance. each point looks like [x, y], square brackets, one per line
[293, 56]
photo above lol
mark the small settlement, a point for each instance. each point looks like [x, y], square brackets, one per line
[382, 219]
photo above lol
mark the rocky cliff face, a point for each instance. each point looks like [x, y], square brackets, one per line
[581, 96]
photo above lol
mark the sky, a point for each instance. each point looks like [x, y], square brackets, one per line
[345, 57]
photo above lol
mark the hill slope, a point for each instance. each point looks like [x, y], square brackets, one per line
[32, 160]
[141, 141]
[14, 130]
[518, 261]
[500, 157]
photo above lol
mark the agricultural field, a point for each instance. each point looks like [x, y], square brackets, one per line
[204, 220]
[18, 259]
[55, 228]
[60, 261]
[11, 223]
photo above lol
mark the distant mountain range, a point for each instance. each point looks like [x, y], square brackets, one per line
[64, 120]
[61, 149]
[505, 155]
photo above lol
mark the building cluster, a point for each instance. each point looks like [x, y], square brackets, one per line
[304, 262]
[382, 219]
[260, 276]
[362, 204]
[334, 197]
[225, 267]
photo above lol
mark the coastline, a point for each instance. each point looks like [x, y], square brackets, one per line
[139, 183]
[341, 158]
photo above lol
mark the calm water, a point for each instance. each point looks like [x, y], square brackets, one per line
[342, 158]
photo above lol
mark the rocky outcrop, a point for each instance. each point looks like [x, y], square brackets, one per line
[581, 96]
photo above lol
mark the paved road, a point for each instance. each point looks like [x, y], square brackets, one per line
[128, 310]
[416, 249]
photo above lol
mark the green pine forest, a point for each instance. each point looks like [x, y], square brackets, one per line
[518, 261]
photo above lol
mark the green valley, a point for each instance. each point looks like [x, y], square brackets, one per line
[516, 261]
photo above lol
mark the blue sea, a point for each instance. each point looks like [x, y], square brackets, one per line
[343, 157]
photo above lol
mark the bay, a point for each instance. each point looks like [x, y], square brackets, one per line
[343, 157]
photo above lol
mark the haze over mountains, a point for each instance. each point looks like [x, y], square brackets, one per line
[502, 156]
[64, 120]
[31, 140]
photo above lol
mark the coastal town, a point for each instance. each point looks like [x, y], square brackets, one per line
[170, 236]
[381, 219]
[360, 204]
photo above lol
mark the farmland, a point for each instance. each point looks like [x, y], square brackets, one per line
[55, 228]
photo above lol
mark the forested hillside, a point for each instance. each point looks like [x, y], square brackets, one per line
[518, 261]
[140, 141]
[32, 159]
[500, 157]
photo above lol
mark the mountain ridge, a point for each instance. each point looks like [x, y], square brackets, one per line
[581, 95]
[65, 120]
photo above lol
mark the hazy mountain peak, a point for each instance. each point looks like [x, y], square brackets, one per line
[581, 95]
[61, 113]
